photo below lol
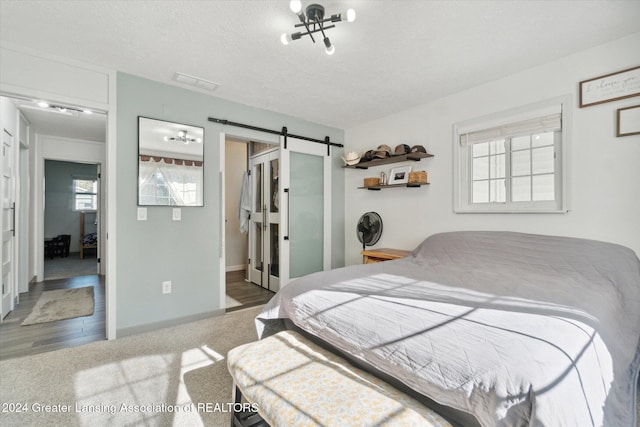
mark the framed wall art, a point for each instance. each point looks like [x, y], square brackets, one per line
[399, 175]
[628, 121]
[610, 87]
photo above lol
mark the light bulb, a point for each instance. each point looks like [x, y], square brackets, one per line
[87, 111]
[330, 50]
[285, 38]
[295, 6]
[166, 138]
[43, 104]
[351, 15]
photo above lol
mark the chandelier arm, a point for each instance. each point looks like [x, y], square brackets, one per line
[306, 25]
[315, 31]
[326, 28]
[321, 28]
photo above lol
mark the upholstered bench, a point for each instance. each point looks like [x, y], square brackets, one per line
[291, 381]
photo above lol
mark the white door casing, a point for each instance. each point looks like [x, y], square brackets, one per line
[8, 222]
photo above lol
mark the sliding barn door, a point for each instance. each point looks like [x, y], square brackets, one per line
[305, 194]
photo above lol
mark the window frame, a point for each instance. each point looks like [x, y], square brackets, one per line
[75, 193]
[463, 179]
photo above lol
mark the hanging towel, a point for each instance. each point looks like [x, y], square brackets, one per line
[244, 207]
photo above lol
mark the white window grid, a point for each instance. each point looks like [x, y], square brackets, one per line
[496, 180]
[83, 199]
[551, 117]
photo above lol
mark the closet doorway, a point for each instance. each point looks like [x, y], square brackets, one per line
[241, 291]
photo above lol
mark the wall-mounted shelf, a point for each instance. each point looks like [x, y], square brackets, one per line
[416, 157]
[381, 187]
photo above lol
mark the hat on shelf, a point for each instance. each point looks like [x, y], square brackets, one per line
[367, 156]
[382, 151]
[418, 149]
[401, 149]
[351, 158]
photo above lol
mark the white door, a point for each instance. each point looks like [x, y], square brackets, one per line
[8, 223]
[264, 225]
[305, 242]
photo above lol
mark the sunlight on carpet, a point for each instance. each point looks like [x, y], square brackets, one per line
[116, 387]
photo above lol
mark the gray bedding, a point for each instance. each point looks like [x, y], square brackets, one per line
[516, 329]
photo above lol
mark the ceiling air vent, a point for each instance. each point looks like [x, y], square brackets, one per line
[195, 81]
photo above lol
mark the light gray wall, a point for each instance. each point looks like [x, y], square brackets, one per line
[602, 170]
[185, 252]
[59, 216]
[236, 242]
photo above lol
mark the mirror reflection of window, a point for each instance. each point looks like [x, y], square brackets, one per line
[170, 163]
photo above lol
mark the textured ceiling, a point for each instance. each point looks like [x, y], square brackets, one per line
[396, 55]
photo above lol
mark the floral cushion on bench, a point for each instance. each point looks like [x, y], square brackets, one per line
[295, 382]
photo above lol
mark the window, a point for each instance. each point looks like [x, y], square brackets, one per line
[85, 194]
[511, 162]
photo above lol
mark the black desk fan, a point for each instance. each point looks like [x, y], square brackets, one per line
[369, 229]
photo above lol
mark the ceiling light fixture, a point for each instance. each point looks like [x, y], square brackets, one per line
[182, 137]
[313, 21]
[62, 108]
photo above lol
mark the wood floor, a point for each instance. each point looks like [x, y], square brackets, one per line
[18, 341]
[248, 294]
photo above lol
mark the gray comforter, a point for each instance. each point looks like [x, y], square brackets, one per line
[516, 329]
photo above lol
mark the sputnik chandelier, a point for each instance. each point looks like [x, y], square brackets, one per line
[182, 137]
[313, 21]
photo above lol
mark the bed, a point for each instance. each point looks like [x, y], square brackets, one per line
[511, 329]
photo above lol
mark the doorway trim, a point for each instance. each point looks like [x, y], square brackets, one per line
[243, 135]
[39, 208]
[78, 73]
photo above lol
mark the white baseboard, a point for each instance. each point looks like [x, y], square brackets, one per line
[236, 267]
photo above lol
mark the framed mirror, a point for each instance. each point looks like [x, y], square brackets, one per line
[170, 163]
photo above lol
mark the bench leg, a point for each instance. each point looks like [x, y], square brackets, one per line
[245, 418]
[236, 397]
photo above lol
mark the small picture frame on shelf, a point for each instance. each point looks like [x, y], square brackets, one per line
[399, 175]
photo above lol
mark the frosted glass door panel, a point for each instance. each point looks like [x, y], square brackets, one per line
[306, 220]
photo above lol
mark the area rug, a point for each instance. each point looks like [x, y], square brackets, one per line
[61, 304]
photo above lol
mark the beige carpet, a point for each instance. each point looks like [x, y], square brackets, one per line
[162, 372]
[179, 367]
[61, 304]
